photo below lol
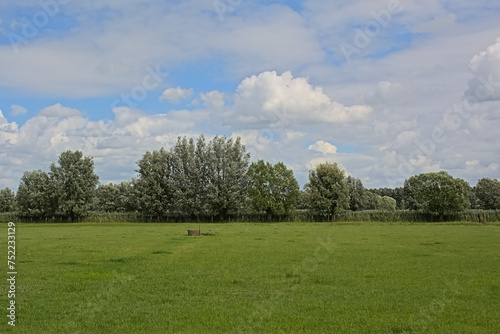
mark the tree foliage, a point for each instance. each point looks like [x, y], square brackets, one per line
[437, 193]
[67, 191]
[272, 188]
[193, 179]
[36, 196]
[154, 188]
[7, 200]
[74, 183]
[227, 168]
[356, 193]
[115, 198]
[396, 193]
[487, 194]
[328, 189]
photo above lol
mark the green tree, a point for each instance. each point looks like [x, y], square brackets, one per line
[303, 200]
[328, 189]
[227, 164]
[272, 188]
[7, 200]
[371, 201]
[193, 179]
[36, 195]
[387, 203]
[75, 184]
[438, 193]
[396, 193]
[190, 176]
[115, 197]
[155, 188]
[106, 198]
[356, 191]
[487, 193]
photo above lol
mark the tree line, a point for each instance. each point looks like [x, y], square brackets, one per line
[197, 179]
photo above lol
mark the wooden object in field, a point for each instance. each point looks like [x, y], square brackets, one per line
[195, 232]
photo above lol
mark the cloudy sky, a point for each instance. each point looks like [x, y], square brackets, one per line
[386, 88]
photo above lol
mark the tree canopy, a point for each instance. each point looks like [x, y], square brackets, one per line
[193, 179]
[438, 193]
[7, 200]
[328, 189]
[487, 193]
[272, 188]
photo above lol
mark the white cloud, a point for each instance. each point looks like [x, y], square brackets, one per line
[213, 99]
[387, 93]
[5, 127]
[175, 95]
[57, 110]
[16, 110]
[323, 147]
[278, 101]
[485, 86]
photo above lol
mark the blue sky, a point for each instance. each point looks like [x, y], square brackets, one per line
[386, 88]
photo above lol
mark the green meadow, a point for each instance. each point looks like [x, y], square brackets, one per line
[255, 278]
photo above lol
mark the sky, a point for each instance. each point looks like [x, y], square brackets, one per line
[386, 88]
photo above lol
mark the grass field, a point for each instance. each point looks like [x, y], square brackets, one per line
[255, 278]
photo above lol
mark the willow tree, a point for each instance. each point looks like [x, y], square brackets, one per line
[74, 183]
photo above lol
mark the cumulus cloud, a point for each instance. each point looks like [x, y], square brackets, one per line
[175, 95]
[6, 127]
[273, 100]
[323, 147]
[485, 85]
[57, 110]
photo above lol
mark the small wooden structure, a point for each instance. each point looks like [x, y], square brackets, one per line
[195, 232]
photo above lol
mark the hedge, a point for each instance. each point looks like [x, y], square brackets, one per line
[476, 216]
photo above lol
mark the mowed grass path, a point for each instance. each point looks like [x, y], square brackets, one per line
[255, 278]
